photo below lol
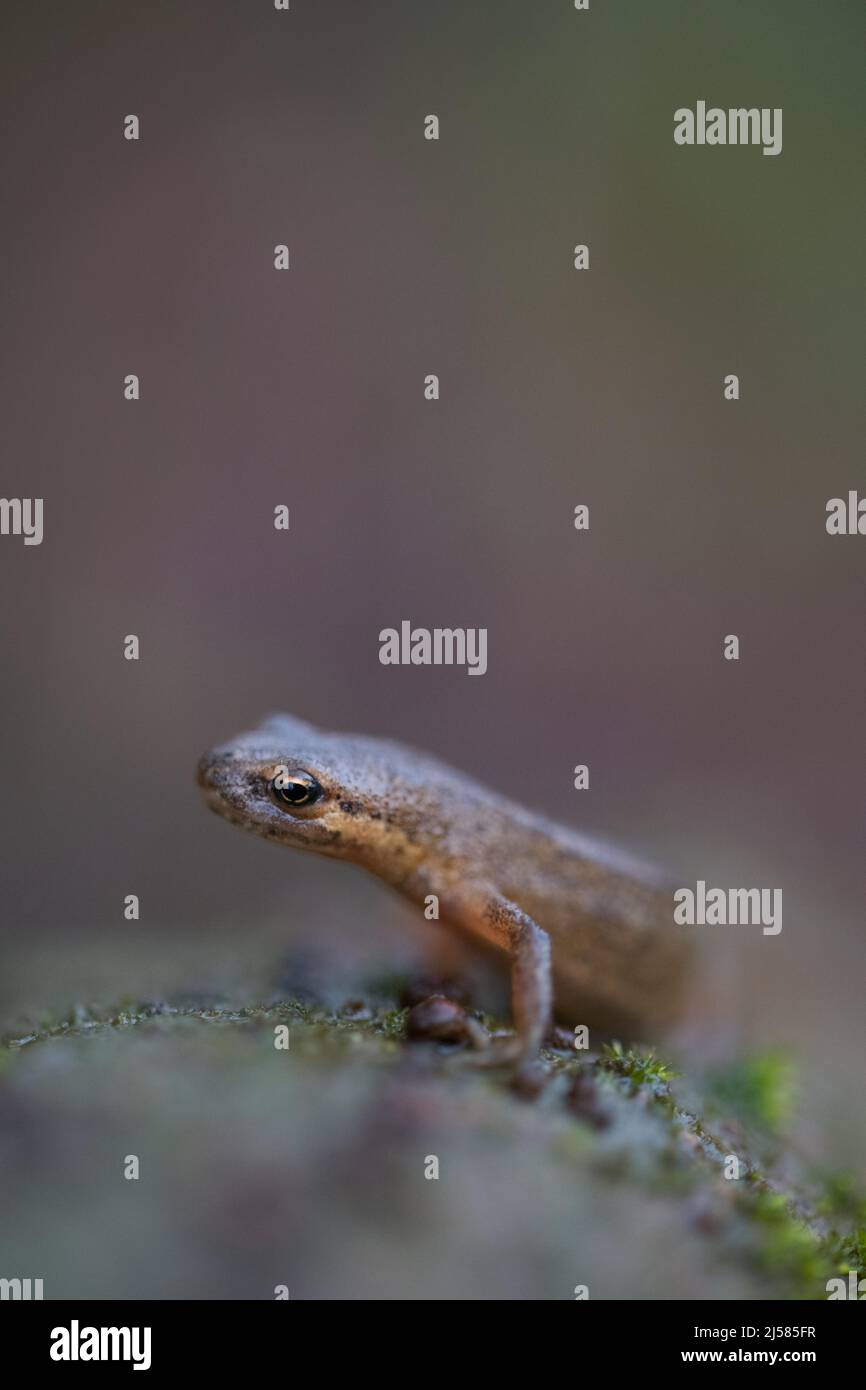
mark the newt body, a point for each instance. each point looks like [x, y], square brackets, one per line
[587, 927]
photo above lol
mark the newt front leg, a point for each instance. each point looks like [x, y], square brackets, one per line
[482, 912]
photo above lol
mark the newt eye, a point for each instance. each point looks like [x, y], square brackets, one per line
[295, 788]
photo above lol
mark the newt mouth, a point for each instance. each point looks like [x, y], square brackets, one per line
[224, 785]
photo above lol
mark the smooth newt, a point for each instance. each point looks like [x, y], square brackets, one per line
[587, 927]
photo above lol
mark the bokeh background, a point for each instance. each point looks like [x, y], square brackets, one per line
[306, 388]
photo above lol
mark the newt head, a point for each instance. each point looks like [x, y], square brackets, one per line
[337, 794]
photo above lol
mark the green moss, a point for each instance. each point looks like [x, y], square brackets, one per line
[841, 1199]
[788, 1249]
[392, 1023]
[848, 1251]
[640, 1068]
[130, 1013]
[759, 1090]
[777, 1231]
[843, 1206]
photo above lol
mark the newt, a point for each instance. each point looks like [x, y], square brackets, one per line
[589, 930]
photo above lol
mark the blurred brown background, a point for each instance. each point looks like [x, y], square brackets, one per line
[306, 388]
